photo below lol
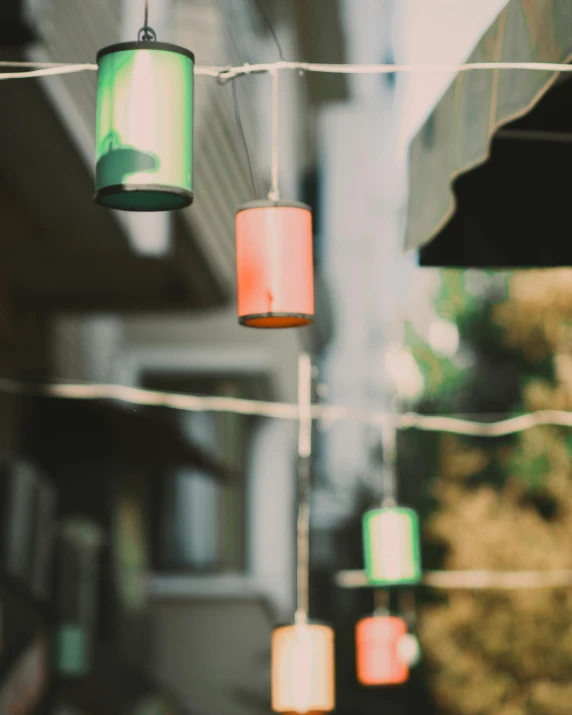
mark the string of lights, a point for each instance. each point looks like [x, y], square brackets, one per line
[325, 414]
[38, 69]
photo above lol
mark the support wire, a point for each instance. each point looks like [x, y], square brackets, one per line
[304, 467]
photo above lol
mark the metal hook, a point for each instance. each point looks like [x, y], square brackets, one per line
[146, 34]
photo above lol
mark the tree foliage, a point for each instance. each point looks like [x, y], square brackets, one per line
[506, 505]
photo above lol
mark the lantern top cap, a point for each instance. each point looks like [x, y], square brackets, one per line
[396, 508]
[145, 45]
[309, 622]
[268, 204]
[383, 617]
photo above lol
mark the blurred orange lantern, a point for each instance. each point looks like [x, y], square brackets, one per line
[275, 265]
[303, 679]
[379, 659]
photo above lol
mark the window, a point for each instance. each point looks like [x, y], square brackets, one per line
[200, 520]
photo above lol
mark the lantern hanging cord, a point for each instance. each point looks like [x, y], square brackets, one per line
[271, 28]
[274, 194]
[38, 69]
[146, 33]
[303, 519]
[389, 466]
[242, 135]
[325, 414]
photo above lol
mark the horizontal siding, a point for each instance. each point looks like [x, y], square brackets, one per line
[75, 31]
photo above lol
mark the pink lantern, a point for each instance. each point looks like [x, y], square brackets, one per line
[274, 264]
[379, 659]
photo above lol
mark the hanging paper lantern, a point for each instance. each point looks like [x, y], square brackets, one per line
[73, 650]
[275, 266]
[409, 650]
[379, 661]
[303, 679]
[79, 549]
[391, 546]
[144, 135]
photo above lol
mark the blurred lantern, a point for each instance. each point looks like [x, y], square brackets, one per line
[391, 546]
[80, 544]
[144, 129]
[303, 679]
[275, 267]
[409, 650]
[379, 660]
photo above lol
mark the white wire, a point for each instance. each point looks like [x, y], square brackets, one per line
[45, 70]
[303, 518]
[305, 406]
[286, 411]
[389, 466]
[473, 580]
[230, 72]
[38, 65]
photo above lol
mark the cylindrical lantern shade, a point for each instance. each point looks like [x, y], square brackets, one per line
[303, 675]
[144, 134]
[275, 265]
[391, 546]
[73, 650]
[379, 660]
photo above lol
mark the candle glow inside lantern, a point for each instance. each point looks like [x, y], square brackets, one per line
[144, 133]
[275, 265]
[391, 546]
[303, 675]
[378, 652]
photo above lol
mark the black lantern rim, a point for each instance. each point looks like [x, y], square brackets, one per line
[303, 318]
[391, 585]
[145, 45]
[268, 204]
[115, 189]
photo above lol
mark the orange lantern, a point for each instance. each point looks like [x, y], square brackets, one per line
[275, 264]
[379, 658]
[303, 677]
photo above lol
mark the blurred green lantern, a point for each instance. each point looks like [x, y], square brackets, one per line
[79, 548]
[73, 650]
[144, 133]
[391, 546]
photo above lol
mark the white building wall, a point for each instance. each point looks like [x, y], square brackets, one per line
[364, 190]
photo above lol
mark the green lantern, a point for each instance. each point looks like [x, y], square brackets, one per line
[391, 546]
[144, 133]
[72, 651]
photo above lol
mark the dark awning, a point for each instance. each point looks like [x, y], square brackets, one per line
[490, 176]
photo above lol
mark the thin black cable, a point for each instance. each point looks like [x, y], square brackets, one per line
[146, 33]
[271, 28]
[243, 138]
